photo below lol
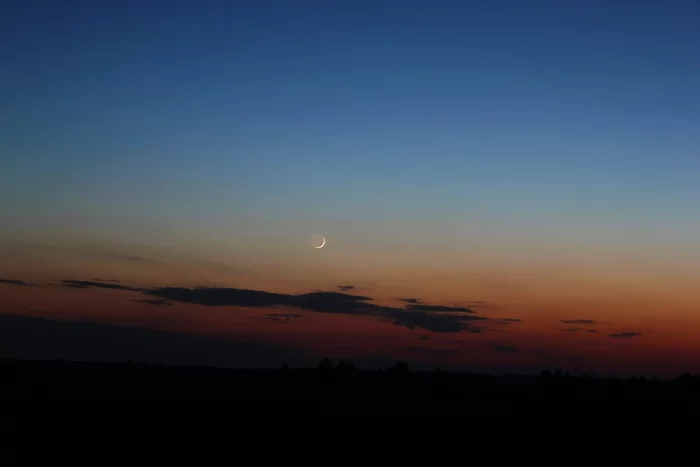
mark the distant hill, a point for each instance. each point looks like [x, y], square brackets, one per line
[34, 338]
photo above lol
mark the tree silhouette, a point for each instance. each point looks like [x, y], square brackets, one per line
[326, 365]
[402, 368]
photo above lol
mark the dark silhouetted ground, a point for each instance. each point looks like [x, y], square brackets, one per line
[343, 389]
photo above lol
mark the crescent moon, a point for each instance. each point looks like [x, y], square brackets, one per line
[321, 245]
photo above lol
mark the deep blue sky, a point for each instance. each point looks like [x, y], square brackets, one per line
[573, 116]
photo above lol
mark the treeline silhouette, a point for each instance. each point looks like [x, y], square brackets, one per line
[341, 387]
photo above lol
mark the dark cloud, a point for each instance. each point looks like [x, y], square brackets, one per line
[345, 288]
[578, 321]
[333, 302]
[510, 320]
[434, 318]
[415, 301]
[155, 302]
[438, 308]
[106, 280]
[281, 316]
[625, 334]
[99, 285]
[579, 330]
[15, 282]
[576, 359]
[506, 349]
[285, 315]
[424, 338]
[431, 322]
[322, 302]
[220, 296]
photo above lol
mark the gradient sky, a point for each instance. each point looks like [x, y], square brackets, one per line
[540, 156]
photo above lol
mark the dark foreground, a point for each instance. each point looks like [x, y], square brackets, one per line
[343, 389]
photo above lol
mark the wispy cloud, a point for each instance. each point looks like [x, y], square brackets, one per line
[578, 321]
[410, 300]
[15, 282]
[279, 317]
[573, 330]
[510, 321]
[625, 334]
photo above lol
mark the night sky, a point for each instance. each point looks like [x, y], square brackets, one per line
[503, 185]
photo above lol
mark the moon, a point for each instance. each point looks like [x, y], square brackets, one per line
[317, 241]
